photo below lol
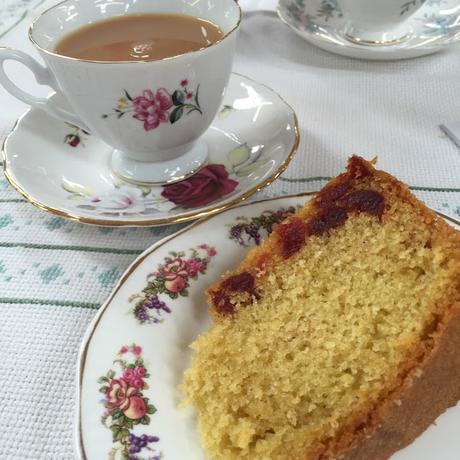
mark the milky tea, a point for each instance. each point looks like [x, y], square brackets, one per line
[140, 37]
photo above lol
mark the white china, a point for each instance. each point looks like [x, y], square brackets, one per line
[433, 27]
[377, 22]
[152, 113]
[65, 170]
[152, 329]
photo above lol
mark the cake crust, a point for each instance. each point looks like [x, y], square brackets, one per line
[427, 392]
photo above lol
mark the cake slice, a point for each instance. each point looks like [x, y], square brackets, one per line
[339, 336]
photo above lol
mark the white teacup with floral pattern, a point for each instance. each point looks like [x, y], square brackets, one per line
[378, 22]
[151, 112]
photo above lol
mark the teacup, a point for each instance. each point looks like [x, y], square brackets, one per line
[378, 22]
[145, 150]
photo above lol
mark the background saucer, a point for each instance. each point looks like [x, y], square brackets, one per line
[64, 170]
[434, 26]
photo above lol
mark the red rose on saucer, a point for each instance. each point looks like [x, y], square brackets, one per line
[204, 187]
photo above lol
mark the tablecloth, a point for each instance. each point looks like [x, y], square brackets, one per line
[54, 274]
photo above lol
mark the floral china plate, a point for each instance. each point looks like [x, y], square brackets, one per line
[136, 349]
[433, 27]
[65, 170]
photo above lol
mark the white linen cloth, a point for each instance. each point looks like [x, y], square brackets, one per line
[54, 273]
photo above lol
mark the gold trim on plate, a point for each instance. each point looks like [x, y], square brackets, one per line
[166, 220]
[92, 327]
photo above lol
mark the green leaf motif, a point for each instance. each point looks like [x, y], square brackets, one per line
[196, 96]
[73, 187]
[151, 409]
[178, 97]
[104, 390]
[144, 189]
[246, 170]
[111, 374]
[128, 96]
[102, 379]
[176, 114]
[115, 432]
[239, 155]
[145, 420]
[75, 197]
[124, 433]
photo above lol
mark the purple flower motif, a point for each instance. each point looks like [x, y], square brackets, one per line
[141, 314]
[154, 303]
[248, 230]
[253, 232]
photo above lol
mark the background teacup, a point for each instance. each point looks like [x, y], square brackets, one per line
[99, 91]
[378, 22]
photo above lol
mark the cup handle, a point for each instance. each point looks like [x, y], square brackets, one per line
[43, 76]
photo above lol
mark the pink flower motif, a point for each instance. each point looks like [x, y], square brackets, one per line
[174, 272]
[194, 267]
[189, 95]
[173, 268]
[128, 375]
[123, 350]
[175, 285]
[184, 83]
[139, 372]
[72, 139]
[118, 395]
[212, 252]
[137, 383]
[136, 408]
[137, 350]
[152, 108]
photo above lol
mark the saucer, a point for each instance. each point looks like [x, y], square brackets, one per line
[63, 169]
[433, 27]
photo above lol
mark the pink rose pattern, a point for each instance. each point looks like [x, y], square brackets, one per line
[76, 137]
[153, 108]
[171, 279]
[126, 406]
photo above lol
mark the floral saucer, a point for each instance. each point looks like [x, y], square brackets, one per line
[64, 170]
[433, 27]
[136, 349]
